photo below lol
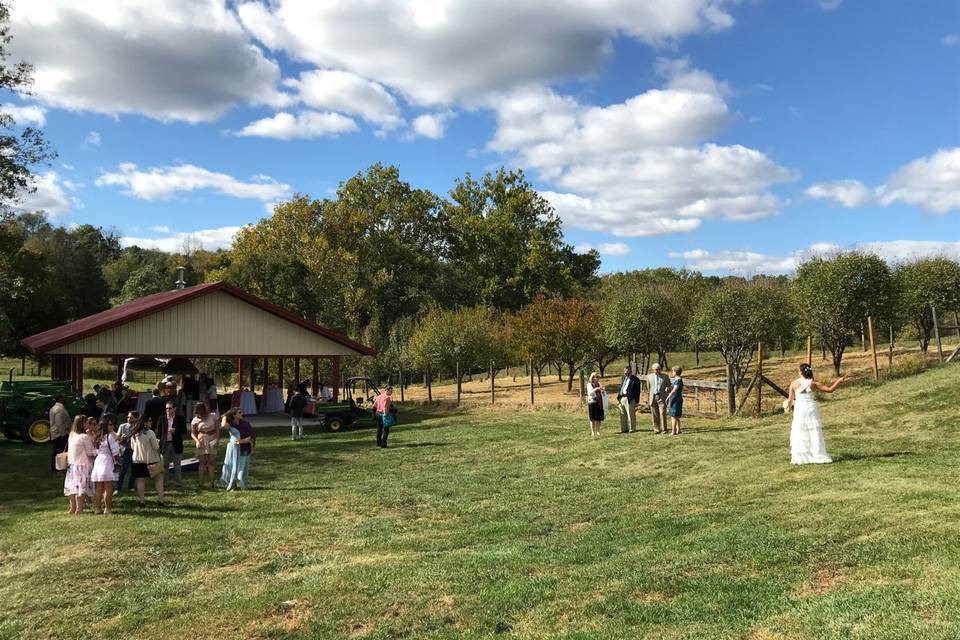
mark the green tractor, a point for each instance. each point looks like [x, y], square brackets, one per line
[354, 409]
[25, 407]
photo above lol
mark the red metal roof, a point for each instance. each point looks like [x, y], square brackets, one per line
[135, 309]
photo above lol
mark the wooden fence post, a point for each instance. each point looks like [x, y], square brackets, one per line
[731, 392]
[760, 377]
[458, 381]
[531, 382]
[863, 338]
[810, 350]
[493, 390]
[890, 356]
[873, 348]
[936, 333]
[401, 384]
[429, 377]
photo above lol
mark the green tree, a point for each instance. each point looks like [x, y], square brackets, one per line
[733, 319]
[834, 295]
[144, 281]
[456, 340]
[503, 245]
[922, 284]
[19, 154]
[118, 271]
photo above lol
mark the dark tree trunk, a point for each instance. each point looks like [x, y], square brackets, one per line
[571, 370]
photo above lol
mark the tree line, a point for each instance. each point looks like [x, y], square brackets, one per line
[645, 315]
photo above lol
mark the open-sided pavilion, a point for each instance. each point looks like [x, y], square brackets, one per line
[214, 320]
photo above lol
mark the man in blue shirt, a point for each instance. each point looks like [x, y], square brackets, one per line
[627, 398]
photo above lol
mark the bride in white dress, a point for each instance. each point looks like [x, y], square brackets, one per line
[806, 434]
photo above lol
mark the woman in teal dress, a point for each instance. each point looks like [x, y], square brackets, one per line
[675, 400]
[229, 474]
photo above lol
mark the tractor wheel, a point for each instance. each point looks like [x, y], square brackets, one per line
[334, 423]
[37, 432]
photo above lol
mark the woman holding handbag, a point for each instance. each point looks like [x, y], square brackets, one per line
[595, 402]
[80, 455]
[147, 462]
[105, 466]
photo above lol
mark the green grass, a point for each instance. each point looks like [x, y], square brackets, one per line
[515, 524]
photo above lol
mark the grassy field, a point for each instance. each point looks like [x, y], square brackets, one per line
[514, 524]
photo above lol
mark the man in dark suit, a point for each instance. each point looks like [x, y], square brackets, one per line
[628, 397]
[172, 426]
[154, 411]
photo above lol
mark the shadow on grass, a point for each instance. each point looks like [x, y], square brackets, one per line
[855, 457]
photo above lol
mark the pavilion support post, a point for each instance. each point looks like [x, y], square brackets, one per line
[253, 373]
[280, 374]
[335, 374]
[316, 376]
[120, 368]
[266, 372]
[239, 374]
[296, 372]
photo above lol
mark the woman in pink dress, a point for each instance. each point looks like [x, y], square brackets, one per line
[105, 466]
[80, 455]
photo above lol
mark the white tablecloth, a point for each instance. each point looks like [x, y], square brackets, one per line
[142, 399]
[247, 403]
[273, 403]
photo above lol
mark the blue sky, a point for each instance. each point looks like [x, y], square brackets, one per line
[722, 136]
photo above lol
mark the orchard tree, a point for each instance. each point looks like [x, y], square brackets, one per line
[922, 284]
[456, 340]
[834, 295]
[733, 319]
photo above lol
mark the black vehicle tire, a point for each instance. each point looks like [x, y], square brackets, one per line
[11, 433]
[333, 423]
[37, 431]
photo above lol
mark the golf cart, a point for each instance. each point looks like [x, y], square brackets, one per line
[355, 408]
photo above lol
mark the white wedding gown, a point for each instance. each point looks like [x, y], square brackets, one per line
[806, 434]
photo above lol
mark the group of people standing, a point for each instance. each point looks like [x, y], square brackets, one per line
[98, 456]
[664, 398]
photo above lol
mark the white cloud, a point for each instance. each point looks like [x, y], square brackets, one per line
[92, 140]
[549, 130]
[165, 182]
[347, 93]
[668, 190]
[951, 40]
[431, 125]
[48, 196]
[850, 193]
[641, 167]
[209, 239]
[605, 248]
[25, 115]
[931, 182]
[439, 53]
[309, 124]
[749, 262]
[173, 60]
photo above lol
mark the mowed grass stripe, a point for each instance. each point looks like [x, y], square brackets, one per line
[486, 523]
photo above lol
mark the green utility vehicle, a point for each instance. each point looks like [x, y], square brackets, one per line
[25, 407]
[354, 409]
